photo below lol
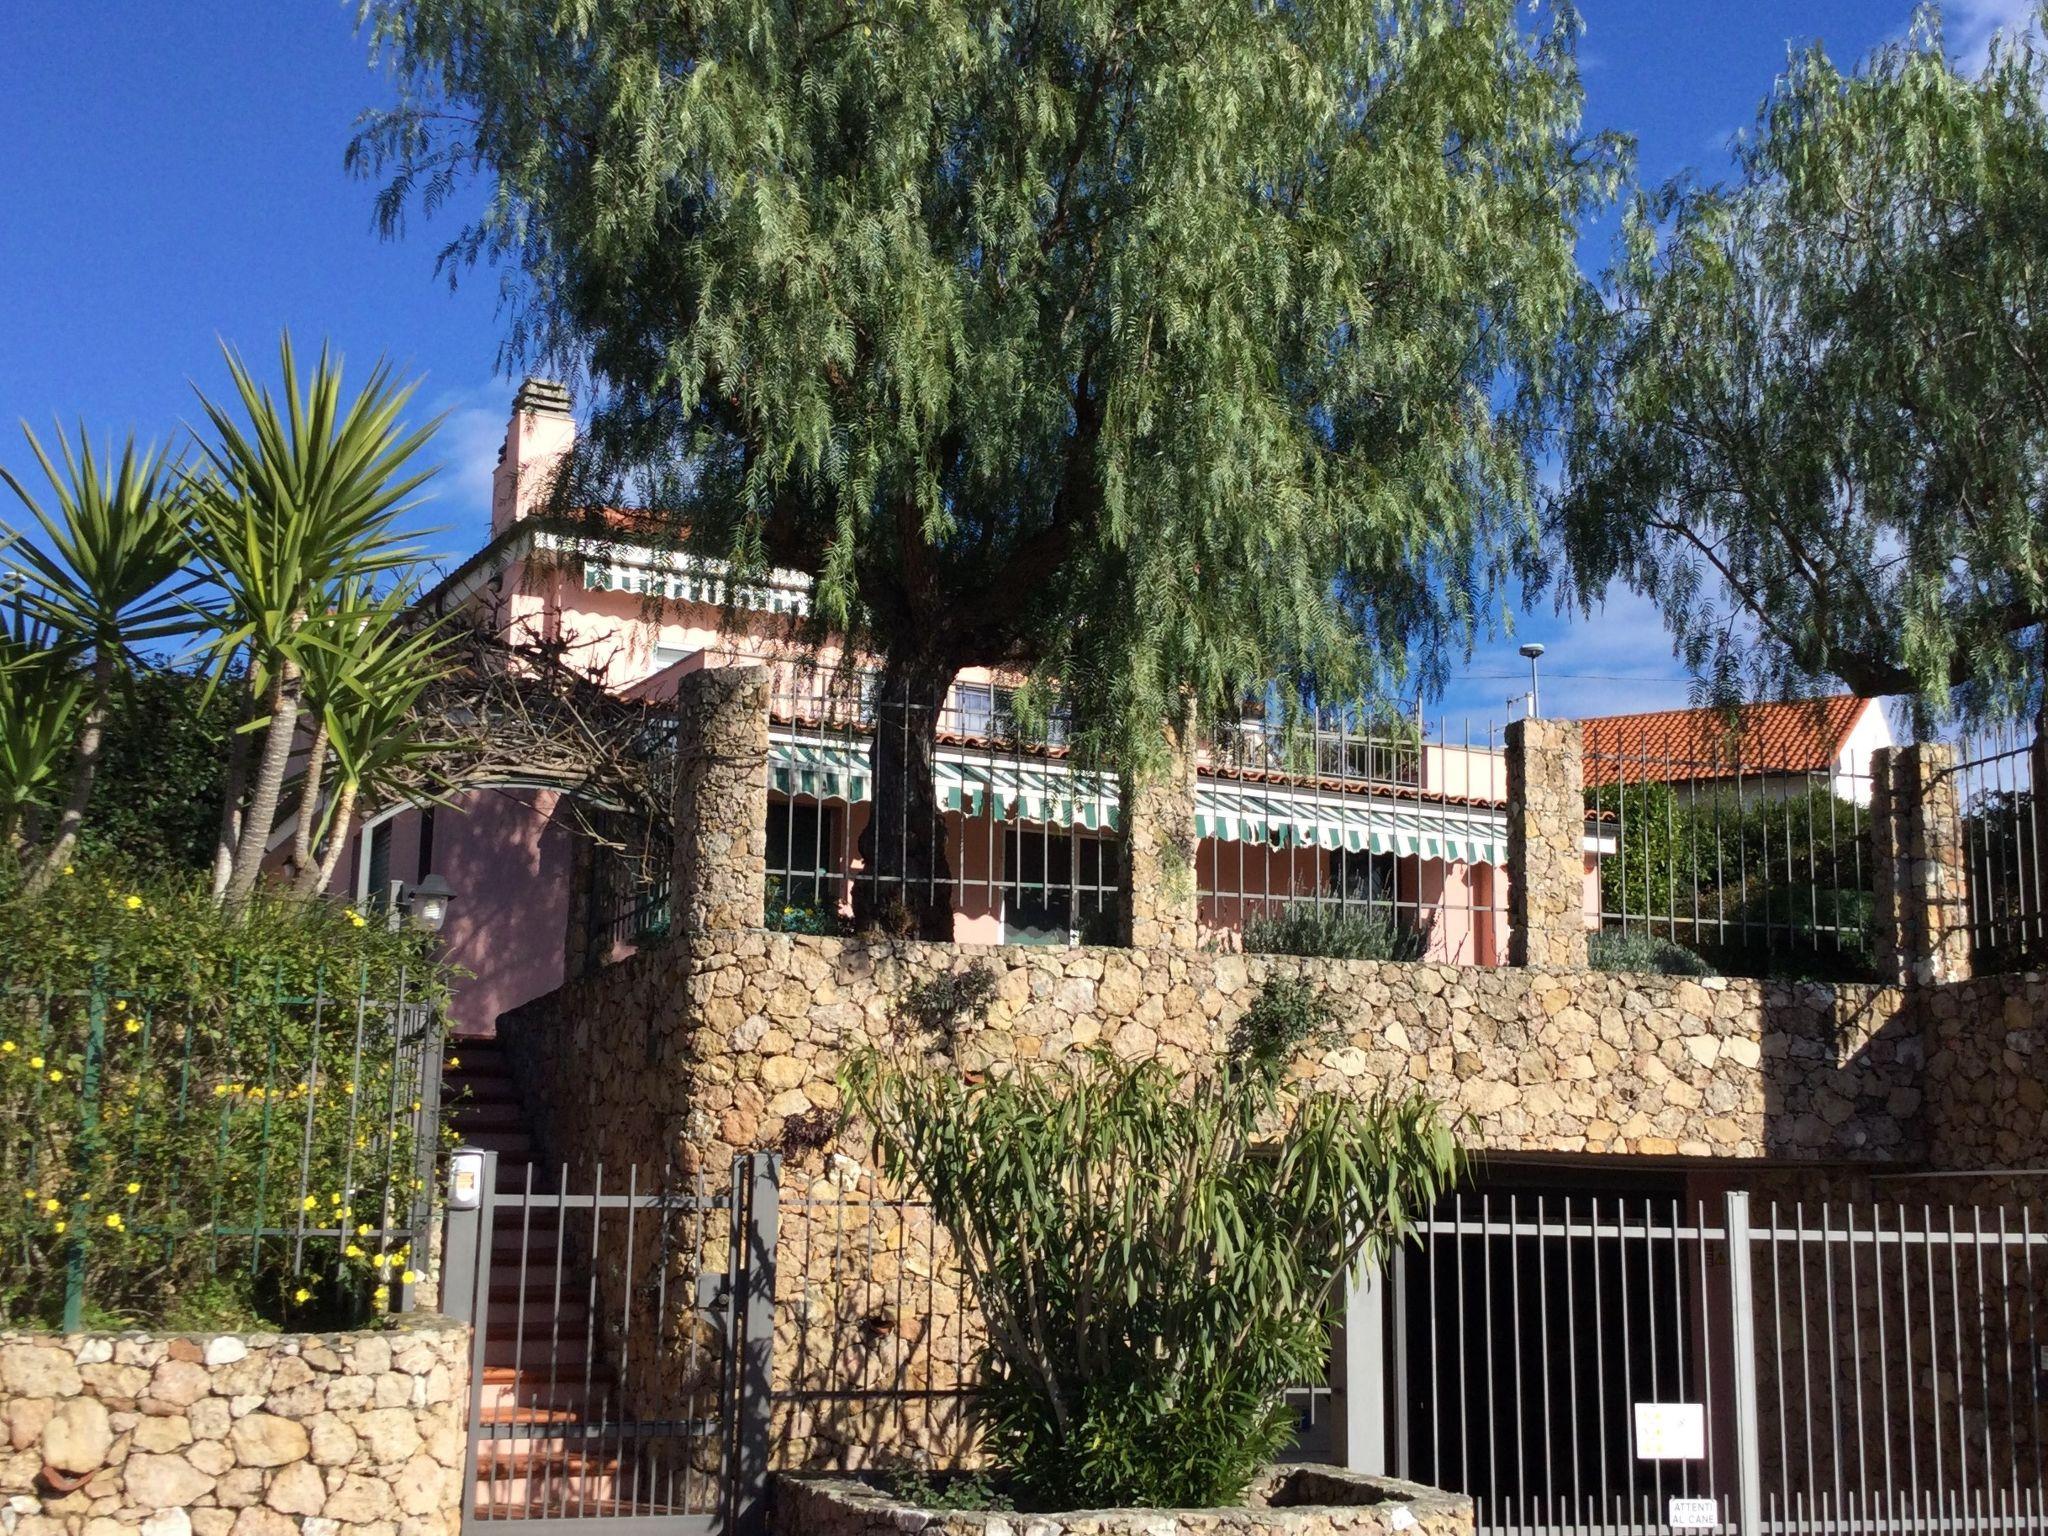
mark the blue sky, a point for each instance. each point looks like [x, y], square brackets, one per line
[173, 175]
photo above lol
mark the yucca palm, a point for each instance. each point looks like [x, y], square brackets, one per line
[300, 497]
[365, 672]
[41, 693]
[105, 578]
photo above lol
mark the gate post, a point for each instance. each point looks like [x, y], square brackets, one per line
[1358, 1431]
[756, 1179]
[1749, 1499]
[466, 1285]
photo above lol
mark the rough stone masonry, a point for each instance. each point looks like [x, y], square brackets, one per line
[355, 1434]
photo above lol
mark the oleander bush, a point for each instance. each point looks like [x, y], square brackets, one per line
[207, 1119]
[1158, 1255]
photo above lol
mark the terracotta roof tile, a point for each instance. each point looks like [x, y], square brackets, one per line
[1798, 736]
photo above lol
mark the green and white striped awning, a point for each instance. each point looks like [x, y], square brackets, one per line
[1009, 789]
[1048, 791]
[1283, 818]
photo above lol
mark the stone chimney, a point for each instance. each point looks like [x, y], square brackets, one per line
[537, 440]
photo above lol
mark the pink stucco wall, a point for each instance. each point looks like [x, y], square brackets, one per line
[507, 853]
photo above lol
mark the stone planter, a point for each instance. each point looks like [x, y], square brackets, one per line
[250, 1434]
[1297, 1500]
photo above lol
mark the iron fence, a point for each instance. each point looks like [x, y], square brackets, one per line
[1365, 839]
[2003, 831]
[995, 832]
[1699, 859]
[207, 1157]
[1656, 1361]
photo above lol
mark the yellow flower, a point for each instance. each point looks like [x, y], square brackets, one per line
[355, 917]
[334, 1199]
[7, 1047]
[454, 1061]
[70, 869]
[114, 1221]
[35, 1063]
[408, 1278]
[56, 1076]
[363, 1230]
[132, 902]
[134, 1189]
[59, 1226]
[381, 1295]
[308, 1203]
[302, 1294]
[352, 1252]
[50, 1206]
[133, 1026]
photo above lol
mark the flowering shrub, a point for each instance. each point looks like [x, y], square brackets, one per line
[205, 1118]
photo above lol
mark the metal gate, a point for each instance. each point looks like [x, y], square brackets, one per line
[623, 1339]
[1645, 1363]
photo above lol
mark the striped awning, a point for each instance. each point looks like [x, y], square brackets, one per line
[1283, 818]
[1048, 791]
[1008, 789]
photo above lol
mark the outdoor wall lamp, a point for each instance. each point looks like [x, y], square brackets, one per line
[425, 904]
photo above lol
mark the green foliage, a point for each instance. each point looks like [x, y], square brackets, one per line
[42, 695]
[946, 1490]
[1287, 1014]
[184, 1094]
[1156, 1263]
[1612, 949]
[1334, 933]
[1162, 355]
[163, 770]
[941, 1004]
[1820, 435]
[786, 911]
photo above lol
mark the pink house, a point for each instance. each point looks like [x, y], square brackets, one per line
[1413, 831]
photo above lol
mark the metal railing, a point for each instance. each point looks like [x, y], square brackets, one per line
[2004, 833]
[1749, 870]
[1367, 840]
[1644, 1362]
[995, 833]
[264, 1154]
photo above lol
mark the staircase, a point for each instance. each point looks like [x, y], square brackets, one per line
[543, 1368]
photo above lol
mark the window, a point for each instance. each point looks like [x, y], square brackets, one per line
[973, 709]
[1373, 881]
[377, 873]
[666, 656]
[1059, 885]
[803, 850]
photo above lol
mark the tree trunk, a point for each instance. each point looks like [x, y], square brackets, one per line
[907, 885]
[306, 834]
[85, 765]
[315, 878]
[230, 832]
[267, 786]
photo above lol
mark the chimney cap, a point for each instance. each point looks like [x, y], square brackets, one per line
[549, 396]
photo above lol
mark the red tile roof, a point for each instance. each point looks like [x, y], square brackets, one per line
[1798, 736]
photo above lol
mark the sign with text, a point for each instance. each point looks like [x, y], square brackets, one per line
[1671, 1431]
[1694, 1514]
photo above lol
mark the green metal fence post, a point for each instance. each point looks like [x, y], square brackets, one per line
[89, 1144]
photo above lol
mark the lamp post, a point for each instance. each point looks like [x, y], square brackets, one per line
[1532, 650]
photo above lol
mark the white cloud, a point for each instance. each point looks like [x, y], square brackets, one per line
[1970, 25]
[457, 501]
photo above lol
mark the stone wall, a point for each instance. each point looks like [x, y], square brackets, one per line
[694, 1053]
[356, 1434]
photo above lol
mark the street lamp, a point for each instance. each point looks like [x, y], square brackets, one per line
[1532, 650]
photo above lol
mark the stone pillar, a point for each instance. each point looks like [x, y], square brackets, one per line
[1157, 812]
[1546, 844]
[1917, 867]
[721, 850]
